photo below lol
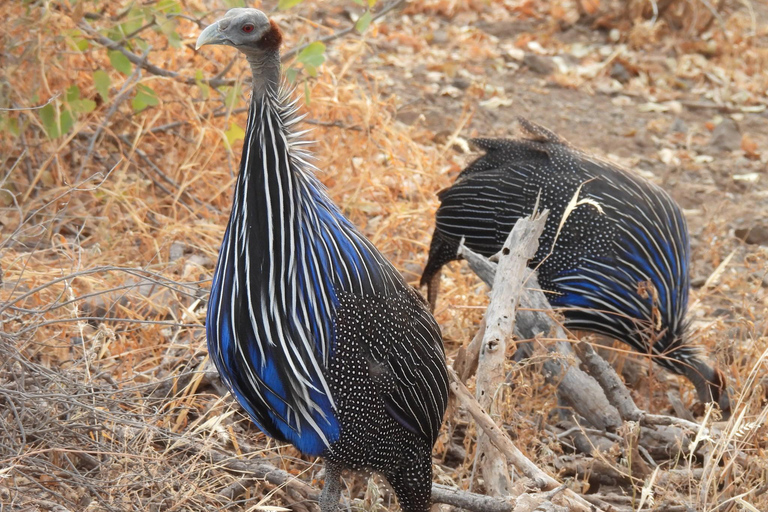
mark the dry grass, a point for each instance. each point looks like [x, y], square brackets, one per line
[110, 233]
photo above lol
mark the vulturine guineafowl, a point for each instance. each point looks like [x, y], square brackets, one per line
[618, 265]
[314, 332]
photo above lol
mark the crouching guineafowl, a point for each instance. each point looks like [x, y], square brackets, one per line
[314, 332]
[618, 265]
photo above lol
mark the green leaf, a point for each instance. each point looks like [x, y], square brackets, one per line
[174, 39]
[120, 62]
[307, 96]
[73, 93]
[82, 106]
[67, 120]
[10, 124]
[231, 4]
[50, 120]
[77, 41]
[312, 57]
[168, 6]
[291, 75]
[145, 97]
[114, 33]
[204, 88]
[363, 22]
[287, 4]
[102, 82]
[166, 26]
[141, 44]
[234, 133]
[133, 22]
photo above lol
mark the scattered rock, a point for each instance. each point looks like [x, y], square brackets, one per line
[176, 251]
[407, 116]
[506, 29]
[200, 260]
[755, 235]
[698, 282]
[461, 83]
[644, 139]
[450, 91]
[620, 73]
[726, 136]
[439, 37]
[543, 65]
[679, 126]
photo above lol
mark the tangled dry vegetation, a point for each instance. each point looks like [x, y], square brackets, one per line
[116, 185]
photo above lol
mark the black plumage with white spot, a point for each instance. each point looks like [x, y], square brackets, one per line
[619, 263]
[315, 333]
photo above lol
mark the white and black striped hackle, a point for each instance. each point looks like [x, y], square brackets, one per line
[313, 330]
[619, 264]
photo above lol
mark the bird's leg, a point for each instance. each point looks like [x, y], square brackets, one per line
[412, 481]
[329, 499]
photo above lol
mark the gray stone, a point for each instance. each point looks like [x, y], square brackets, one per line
[620, 73]
[439, 37]
[679, 126]
[539, 64]
[726, 136]
[176, 251]
[755, 235]
[461, 83]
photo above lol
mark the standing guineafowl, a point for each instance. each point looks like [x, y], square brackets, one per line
[618, 265]
[313, 330]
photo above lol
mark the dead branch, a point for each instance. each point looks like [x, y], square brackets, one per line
[341, 33]
[521, 245]
[505, 445]
[263, 470]
[579, 391]
[141, 61]
[614, 389]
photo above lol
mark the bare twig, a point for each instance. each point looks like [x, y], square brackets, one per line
[341, 33]
[521, 245]
[119, 99]
[143, 63]
[500, 439]
[165, 178]
[614, 389]
[579, 390]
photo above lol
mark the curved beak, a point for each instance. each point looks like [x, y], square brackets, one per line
[211, 35]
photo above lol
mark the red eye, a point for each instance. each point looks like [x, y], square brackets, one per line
[248, 28]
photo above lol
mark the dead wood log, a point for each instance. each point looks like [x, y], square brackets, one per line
[521, 245]
[577, 389]
[606, 376]
[499, 438]
[304, 494]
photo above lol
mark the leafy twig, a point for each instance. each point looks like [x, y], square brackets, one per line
[341, 33]
[140, 61]
[121, 97]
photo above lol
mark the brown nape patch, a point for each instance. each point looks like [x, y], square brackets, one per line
[273, 38]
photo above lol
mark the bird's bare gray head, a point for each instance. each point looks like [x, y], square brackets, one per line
[255, 35]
